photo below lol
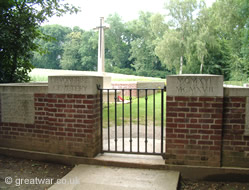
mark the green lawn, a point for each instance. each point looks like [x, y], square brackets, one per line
[237, 83]
[41, 75]
[38, 78]
[134, 108]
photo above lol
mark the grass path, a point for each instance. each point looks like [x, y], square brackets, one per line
[134, 107]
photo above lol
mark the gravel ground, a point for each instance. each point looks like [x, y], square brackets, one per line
[29, 169]
[205, 185]
[18, 170]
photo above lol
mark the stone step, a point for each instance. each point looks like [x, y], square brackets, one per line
[133, 159]
[92, 177]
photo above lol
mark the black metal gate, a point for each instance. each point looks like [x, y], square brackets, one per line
[132, 121]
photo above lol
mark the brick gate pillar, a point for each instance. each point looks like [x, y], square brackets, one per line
[194, 119]
[73, 114]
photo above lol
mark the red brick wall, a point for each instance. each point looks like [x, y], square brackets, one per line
[64, 124]
[126, 86]
[235, 142]
[194, 130]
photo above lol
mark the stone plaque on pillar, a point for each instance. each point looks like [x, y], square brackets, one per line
[74, 84]
[195, 85]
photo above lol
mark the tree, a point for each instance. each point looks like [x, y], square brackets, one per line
[52, 48]
[200, 42]
[80, 51]
[244, 12]
[89, 51]
[218, 59]
[158, 26]
[118, 43]
[233, 27]
[170, 50]
[71, 58]
[146, 32]
[19, 23]
[181, 14]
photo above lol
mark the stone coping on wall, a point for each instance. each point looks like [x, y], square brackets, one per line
[236, 91]
[25, 84]
[24, 88]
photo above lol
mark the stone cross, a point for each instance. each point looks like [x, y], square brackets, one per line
[101, 46]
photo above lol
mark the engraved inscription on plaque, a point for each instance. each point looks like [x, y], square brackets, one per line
[18, 108]
[193, 85]
[74, 84]
[70, 84]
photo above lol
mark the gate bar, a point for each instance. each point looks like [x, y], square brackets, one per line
[162, 114]
[154, 118]
[130, 122]
[108, 113]
[101, 119]
[115, 97]
[123, 119]
[146, 118]
[138, 120]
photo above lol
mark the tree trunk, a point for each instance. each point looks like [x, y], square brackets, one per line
[202, 61]
[181, 63]
[201, 68]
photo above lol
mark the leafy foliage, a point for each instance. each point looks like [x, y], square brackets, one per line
[19, 23]
[118, 43]
[214, 42]
[190, 39]
[232, 27]
[80, 51]
[147, 31]
[51, 47]
[71, 57]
